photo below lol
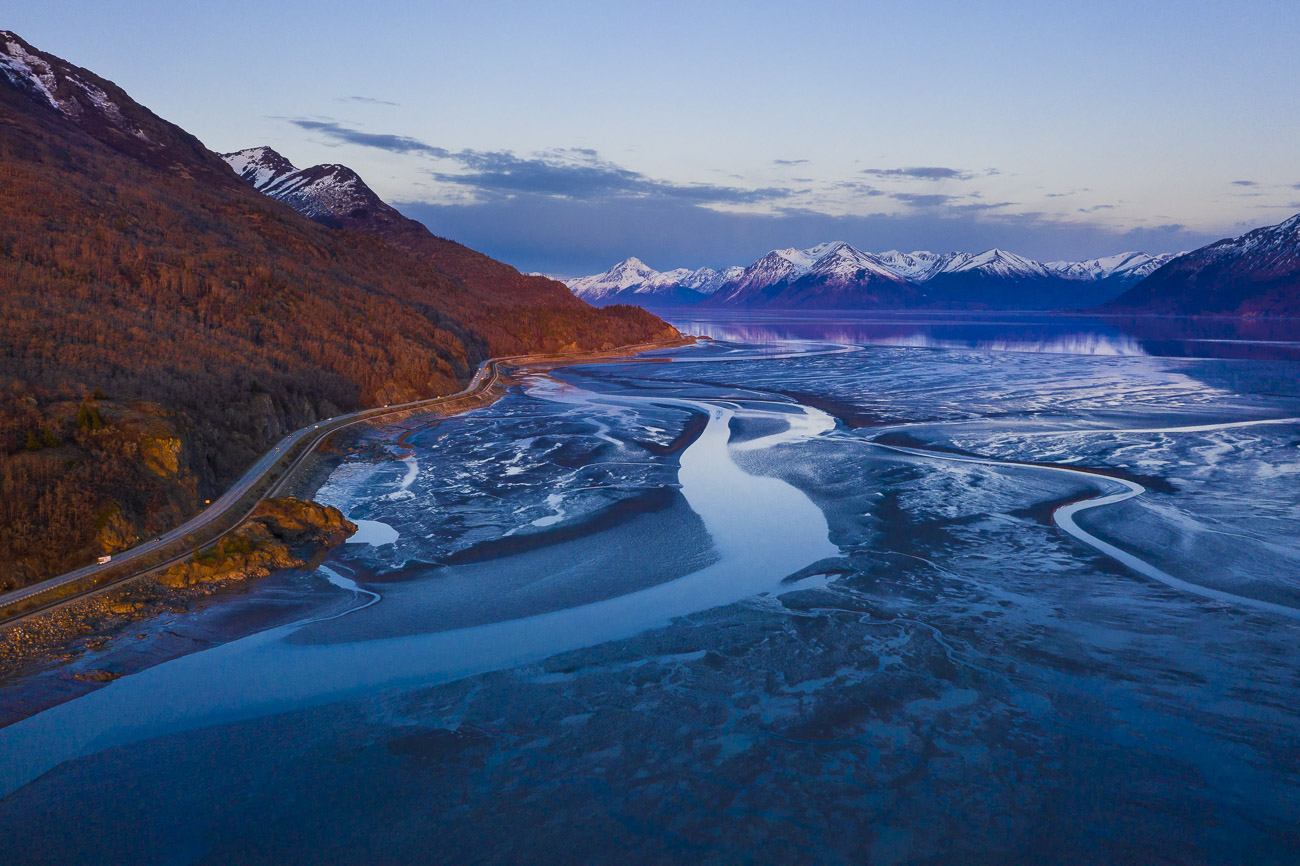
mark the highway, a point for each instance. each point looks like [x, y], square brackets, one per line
[485, 379]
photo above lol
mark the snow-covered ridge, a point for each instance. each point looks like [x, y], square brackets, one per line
[634, 277]
[840, 262]
[318, 191]
[62, 89]
[1253, 274]
[995, 262]
[258, 165]
[1278, 246]
[1121, 264]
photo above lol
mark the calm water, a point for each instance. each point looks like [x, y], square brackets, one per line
[829, 589]
[1178, 337]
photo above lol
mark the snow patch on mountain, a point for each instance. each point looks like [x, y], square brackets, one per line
[28, 71]
[1270, 246]
[320, 191]
[259, 165]
[1131, 265]
[916, 266]
[634, 277]
[62, 89]
[995, 262]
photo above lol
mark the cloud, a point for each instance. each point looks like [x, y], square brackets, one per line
[574, 237]
[570, 211]
[974, 207]
[858, 187]
[922, 199]
[1096, 208]
[1244, 183]
[346, 135]
[923, 172]
[368, 99]
[582, 174]
[948, 204]
[576, 172]
[790, 161]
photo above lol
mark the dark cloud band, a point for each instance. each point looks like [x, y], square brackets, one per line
[920, 172]
[347, 135]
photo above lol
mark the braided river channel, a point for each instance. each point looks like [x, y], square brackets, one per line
[817, 589]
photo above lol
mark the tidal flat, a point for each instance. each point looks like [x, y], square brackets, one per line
[794, 595]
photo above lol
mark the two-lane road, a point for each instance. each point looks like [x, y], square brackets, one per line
[484, 379]
[301, 442]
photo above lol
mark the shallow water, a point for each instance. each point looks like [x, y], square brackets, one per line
[799, 596]
[762, 530]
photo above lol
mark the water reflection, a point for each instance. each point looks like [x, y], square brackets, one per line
[1256, 339]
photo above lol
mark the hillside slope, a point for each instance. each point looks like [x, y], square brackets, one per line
[142, 280]
[1256, 274]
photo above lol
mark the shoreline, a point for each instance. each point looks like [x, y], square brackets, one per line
[32, 647]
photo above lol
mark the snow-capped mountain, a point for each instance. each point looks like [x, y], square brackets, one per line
[259, 165]
[994, 263]
[63, 89]
[631, 274]
[706, 281]
[1256, 274]
[997, 279]
[332, 194]
[827, 275]
[916, 266]
[335, 196]
[100, 108]
[1125, 266]
[632, 281]
[837, 274]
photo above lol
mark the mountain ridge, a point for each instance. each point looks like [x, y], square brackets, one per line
[837, 274]
[1253, 274]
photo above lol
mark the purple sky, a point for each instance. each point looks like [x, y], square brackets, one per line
[565, 136]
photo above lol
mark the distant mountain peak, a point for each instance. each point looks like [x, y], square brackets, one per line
[995, 261]
[1128, 266]
[330, 193]
[633, 281]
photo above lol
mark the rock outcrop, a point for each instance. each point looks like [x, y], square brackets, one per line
[281, 533]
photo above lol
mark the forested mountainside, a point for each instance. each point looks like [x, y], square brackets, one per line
[162, 322]
[336, 196]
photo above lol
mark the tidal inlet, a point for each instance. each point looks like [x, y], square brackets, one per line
[801, 571]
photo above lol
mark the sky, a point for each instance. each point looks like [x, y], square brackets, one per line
[563, 136]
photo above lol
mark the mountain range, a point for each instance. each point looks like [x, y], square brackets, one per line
[838, 275]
